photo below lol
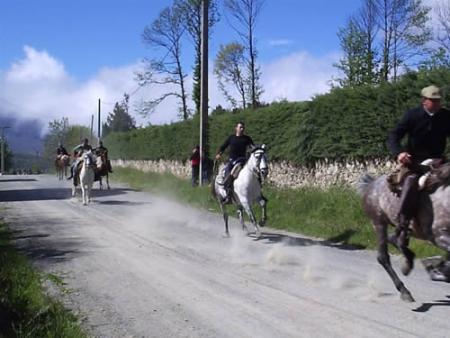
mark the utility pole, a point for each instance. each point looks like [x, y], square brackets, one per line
[99, 122]
[204, 89]
[92, 127]
[2, 160]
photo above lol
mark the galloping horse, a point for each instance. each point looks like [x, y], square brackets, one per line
[85, 177]
[61, 165]
[432, 223]
[246, 189]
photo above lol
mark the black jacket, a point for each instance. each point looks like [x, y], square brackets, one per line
[238, 145]
[61, 151]
[427, 135]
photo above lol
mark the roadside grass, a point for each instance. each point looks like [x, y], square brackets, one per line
[334, 215]
[25, 309]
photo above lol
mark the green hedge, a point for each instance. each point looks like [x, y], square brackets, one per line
[345, 123]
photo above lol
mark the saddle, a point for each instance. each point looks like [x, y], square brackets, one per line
[431, 176]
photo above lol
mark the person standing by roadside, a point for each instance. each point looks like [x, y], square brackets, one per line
[195, 165]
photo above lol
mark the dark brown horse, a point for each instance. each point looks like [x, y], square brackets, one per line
[432, 224]
[102, 171]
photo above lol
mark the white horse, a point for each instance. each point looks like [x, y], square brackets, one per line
[246, 189]
[86, 177]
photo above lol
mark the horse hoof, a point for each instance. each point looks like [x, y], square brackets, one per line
[406, 268]
[406, 296]
[438, 276]
[226, 234]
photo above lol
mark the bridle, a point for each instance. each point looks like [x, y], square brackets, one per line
[258, 154]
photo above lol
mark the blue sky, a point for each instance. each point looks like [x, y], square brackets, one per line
[57, 57]
[88, 35]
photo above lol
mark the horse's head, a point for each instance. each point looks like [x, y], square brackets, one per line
[258, 160]
[88, 158]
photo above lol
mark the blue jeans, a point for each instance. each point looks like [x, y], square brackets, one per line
[195, 174]
[231, 163]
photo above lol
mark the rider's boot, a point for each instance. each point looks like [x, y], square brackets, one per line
[228, 185]
[71, 173]
[408, 202]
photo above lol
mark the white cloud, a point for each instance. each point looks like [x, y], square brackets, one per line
[280, 42]
[39, 87]
[297, 77]
[36, 66]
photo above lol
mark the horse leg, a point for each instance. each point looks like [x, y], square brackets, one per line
[225, 217]
[263, 203]
[240, 212]
[400, 239]
[107, 182]
[440, 271]
[248, 209]
[83, 194]
[385, 261]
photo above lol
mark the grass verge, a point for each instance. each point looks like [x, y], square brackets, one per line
[25, 309]
[334, 215]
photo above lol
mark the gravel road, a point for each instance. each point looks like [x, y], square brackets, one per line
[137, 265]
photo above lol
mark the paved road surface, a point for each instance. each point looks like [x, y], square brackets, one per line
[141, 266]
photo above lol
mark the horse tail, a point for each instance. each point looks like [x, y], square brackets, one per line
[364, 183]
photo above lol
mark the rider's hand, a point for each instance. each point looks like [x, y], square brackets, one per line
[404, 158]
[218, 156]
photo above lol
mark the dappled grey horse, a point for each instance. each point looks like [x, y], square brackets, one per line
[246, 189]
[432, 223]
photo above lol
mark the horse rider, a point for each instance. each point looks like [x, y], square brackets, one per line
[238, 143]
[60, 151]
[102, 150]
[427, 128]
[77, 152]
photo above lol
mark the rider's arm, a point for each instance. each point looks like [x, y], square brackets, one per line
[223, 147]
[77, 149]
[397, 134]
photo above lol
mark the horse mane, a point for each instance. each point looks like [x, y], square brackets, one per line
[258, 147]
[440, 176]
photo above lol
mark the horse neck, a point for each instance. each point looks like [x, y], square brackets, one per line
[250, 168]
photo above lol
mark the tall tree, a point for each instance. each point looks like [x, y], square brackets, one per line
[119, 120]
[192, 18]
[245, 14]
[442, 34]
[229, 68]
[61, 131]
[367, 24]
[405, 33]
[358, 39]
[356, 63]
[165, 34]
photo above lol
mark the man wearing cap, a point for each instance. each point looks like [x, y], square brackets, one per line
[427, 128]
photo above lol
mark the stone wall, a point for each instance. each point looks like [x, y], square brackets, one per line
[284, 174]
